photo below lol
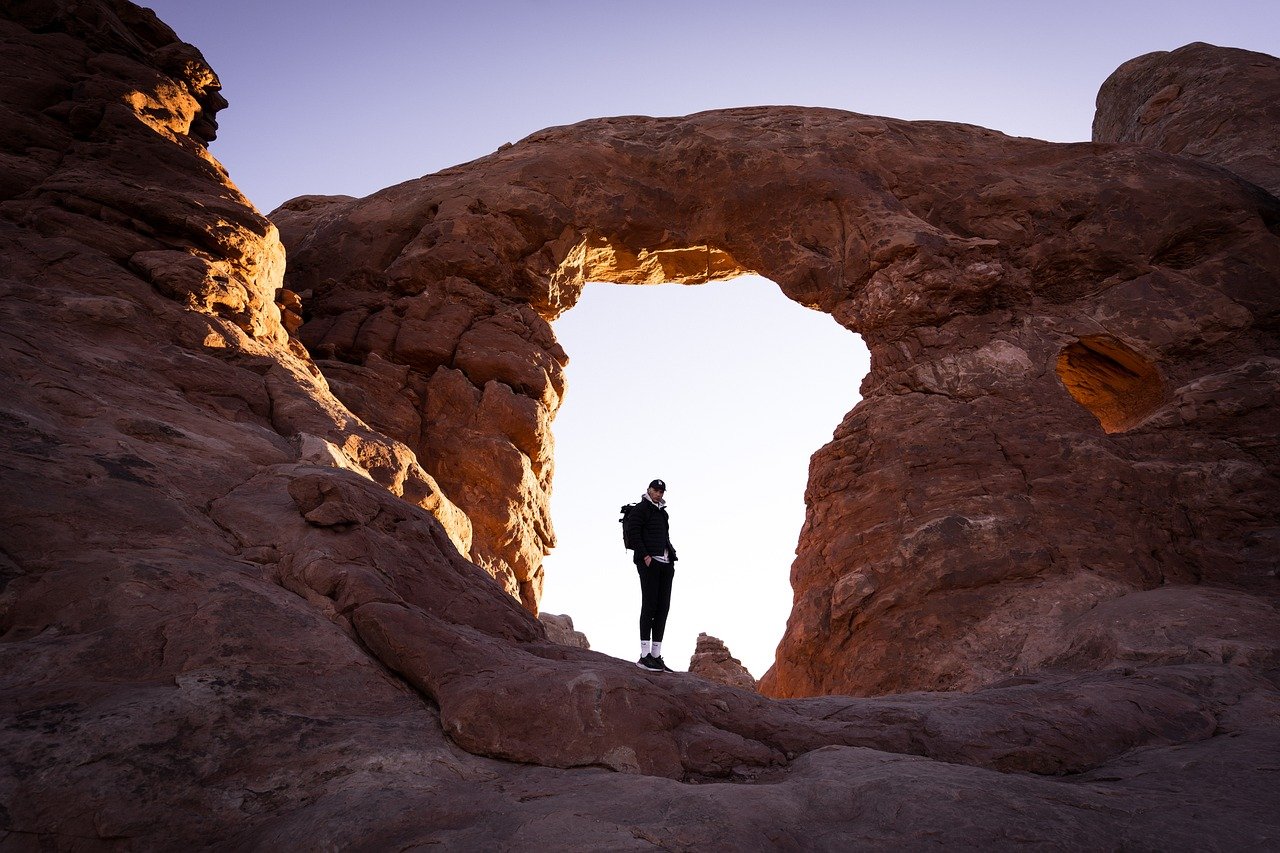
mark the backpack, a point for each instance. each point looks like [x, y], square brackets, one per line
[626, 511]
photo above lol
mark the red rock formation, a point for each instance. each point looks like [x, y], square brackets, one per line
[424, 369]
[711, 660]
[1071, 372]
[1216, 104]
[560, 630]
[235, 615]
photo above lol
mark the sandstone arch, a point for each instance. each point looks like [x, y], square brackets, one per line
[967, 260]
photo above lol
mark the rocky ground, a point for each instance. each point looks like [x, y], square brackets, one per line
[271, 557]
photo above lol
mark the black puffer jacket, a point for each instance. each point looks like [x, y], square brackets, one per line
[647, 531]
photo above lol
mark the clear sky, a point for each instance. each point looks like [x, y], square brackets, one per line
[330, 96]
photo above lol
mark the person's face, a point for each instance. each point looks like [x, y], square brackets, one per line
[655, 495]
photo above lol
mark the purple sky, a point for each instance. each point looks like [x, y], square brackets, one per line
[341, 97]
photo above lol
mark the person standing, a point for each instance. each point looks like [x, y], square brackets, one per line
[646, 530]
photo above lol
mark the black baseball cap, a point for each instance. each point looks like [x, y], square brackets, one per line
[659, 485]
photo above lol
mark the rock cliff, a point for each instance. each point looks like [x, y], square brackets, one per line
[236, 611]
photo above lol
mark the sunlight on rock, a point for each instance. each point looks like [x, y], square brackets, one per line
[1118, 386]
[608, 260]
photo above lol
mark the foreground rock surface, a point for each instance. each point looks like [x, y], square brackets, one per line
[236, 615]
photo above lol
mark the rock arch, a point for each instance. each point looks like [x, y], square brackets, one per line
[954, 532]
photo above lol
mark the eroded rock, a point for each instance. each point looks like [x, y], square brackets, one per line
[1216, 104]
[711, 660]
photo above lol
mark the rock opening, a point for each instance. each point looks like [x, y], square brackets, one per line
[720, 368]
[1119, 387]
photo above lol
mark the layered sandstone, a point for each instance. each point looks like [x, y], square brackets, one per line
[711, 660]
[237, 614]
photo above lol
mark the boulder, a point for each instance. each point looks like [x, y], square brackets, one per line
[560, 630]
[711, 660]
[1216, 104]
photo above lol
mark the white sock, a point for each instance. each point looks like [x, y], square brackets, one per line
[644, 648]
[657, 649]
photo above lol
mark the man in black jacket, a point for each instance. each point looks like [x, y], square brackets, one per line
[646, 531]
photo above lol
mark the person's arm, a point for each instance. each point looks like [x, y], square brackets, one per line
[671, 549]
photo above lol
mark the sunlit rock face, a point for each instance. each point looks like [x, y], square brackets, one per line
[1072, 360]
[235, 614]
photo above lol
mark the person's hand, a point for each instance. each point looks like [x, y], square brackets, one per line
[648, 559]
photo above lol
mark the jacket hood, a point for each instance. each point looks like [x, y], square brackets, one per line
[662, 504]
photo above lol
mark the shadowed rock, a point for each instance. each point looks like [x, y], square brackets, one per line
[1216, 104]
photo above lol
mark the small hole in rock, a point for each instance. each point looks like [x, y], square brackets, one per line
[1117, 385]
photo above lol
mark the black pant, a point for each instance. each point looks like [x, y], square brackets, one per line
[655, 598]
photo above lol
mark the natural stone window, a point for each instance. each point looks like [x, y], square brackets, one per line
[1120, 387]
